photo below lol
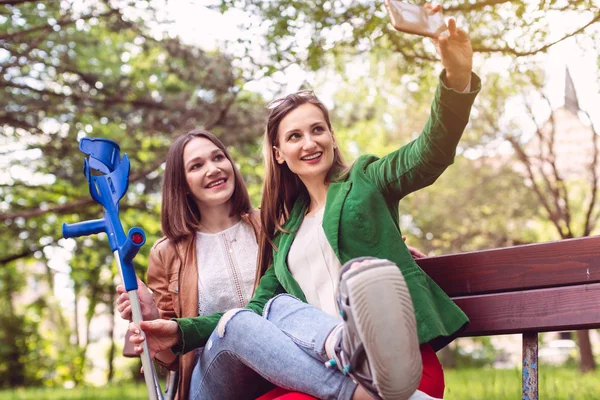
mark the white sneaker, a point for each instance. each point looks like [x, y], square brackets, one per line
[378, 345]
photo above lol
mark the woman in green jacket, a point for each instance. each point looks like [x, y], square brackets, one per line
[318, 215]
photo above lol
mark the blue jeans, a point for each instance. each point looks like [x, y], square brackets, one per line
[285, 346]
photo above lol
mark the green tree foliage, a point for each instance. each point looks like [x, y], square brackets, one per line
[72, 69]
[308, 31]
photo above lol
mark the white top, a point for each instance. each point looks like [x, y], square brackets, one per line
[226, 268]
[314, 265]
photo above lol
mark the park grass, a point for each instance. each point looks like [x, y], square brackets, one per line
[463, 384]
[125, 391]
[554, 384]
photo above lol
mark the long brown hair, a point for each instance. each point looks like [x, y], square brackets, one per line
[179, 213]
[281, 186]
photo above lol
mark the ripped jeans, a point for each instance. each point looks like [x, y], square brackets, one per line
[285, 346]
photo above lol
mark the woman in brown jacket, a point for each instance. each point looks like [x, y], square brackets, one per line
[206, 263]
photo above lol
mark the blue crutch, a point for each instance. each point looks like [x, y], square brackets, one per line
[108, 179]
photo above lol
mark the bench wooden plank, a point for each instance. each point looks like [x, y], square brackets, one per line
[540, 265]
[541, 310]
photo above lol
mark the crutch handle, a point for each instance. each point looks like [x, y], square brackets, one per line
[85, 228]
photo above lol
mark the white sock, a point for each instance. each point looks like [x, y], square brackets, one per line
[332, 339]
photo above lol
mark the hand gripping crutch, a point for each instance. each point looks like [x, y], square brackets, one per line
[108, 184]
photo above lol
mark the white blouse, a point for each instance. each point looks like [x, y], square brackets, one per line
[226, 268]
[314, 265]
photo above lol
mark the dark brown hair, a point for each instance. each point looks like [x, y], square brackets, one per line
[281, 186]
[180, 214]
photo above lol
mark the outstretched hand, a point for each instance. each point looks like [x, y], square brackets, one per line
[456, 53]
[160, 334]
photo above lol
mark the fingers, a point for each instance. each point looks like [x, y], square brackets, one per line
[123, 304]
[136, 334]
[404, 238]
[452, 29]
[126, 313]
[122, 298]
[433, 8]
[455, 34]
[121, 289]
[136, 338]
[416, 254]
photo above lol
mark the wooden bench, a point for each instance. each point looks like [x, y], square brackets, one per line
[528, 289]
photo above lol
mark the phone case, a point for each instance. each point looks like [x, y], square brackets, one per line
[415, 19]
[128, 347]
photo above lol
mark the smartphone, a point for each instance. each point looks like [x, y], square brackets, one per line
[415, 19]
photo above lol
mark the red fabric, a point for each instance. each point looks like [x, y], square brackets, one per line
[282, 394]
[432, 380]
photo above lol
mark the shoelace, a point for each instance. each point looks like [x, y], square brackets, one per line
[351, 364]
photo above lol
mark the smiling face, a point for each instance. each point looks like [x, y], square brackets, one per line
[305, 143]
[209, 174]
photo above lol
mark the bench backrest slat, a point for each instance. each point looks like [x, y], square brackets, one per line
[540, 265]
[542, 310]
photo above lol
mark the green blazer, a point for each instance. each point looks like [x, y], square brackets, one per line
[361, 219]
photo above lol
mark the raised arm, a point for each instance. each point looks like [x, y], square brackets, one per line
[422, 161]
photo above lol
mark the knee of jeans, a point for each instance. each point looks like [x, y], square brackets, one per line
[277, 301]
[227, 318]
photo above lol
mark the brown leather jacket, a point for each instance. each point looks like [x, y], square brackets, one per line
[173, 279]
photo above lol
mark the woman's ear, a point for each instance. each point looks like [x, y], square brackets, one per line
[277, 155]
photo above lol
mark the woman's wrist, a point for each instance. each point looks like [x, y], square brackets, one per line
[166, 357]
[458, 80]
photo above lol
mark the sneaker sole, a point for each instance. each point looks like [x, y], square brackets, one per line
[390, 338]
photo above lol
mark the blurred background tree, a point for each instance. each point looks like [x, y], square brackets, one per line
[70, 69]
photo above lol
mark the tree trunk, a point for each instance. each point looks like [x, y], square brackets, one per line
[111, 351]
[586, 362]
[12, 349]
[15, 374]
[76, 313]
